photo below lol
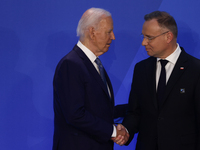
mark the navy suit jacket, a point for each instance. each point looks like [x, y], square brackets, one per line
[83, 109]
[176, 126]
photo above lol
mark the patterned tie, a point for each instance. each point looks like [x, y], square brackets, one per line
[101, 70]
[162, 82]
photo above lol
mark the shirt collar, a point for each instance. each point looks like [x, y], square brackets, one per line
[174, 56]
[87, 52]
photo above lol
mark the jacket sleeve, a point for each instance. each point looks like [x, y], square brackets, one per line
[70, 89]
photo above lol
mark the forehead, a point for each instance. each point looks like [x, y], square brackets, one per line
[106, 22]
[151, 27]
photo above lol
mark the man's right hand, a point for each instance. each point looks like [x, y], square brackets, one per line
[122, 135]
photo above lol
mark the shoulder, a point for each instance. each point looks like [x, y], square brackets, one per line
[72, 59]
[146, 62]
[193, 60]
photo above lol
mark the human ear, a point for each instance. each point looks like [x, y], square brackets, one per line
[92, 32]
[169, 37]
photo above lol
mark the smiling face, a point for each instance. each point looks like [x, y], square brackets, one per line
[157, 47]
[103, 36]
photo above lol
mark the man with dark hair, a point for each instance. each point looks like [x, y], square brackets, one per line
[164, 101]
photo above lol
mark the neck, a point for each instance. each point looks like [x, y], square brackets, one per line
[170, 49]
[87, 43]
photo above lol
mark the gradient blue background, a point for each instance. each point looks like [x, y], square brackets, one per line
[35, 34]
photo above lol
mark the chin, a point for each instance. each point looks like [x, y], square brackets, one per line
[106, 50]
[148, 53]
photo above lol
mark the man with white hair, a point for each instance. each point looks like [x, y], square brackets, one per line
[83, 94]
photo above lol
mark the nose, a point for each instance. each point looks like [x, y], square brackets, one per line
[112, 36]
[144, 42]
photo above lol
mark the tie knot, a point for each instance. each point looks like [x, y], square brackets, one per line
[163, 62]
[98, 62]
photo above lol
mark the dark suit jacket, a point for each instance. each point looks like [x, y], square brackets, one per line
[177, 125]
[82, 106]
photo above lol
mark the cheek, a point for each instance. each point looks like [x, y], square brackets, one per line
[107, 39]
[156, 45]
[104, 41]
[151, 45]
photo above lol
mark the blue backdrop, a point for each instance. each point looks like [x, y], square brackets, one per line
[35, 34]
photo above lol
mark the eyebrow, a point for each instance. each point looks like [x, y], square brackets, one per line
[147, 35]
[110, 30]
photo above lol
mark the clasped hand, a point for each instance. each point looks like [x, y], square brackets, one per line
[122, 135]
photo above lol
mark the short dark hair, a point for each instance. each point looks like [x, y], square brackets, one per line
[164, 20]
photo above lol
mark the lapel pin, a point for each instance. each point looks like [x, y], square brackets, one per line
[182, 91]
[181, 68]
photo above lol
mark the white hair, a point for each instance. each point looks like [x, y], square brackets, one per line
[91, 18]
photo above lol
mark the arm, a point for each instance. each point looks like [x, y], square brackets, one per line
[132, 118]
[197, 111]
[75, 95]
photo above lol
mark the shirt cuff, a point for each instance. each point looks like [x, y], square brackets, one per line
[114, 134]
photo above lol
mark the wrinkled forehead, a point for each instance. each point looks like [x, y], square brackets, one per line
[106, 22]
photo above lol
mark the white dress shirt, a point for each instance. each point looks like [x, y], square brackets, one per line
[172, 58]
[92, 57]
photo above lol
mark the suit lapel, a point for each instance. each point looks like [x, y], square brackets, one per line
[110, 87]
[92, 69]
[179, 68]
[151, 78]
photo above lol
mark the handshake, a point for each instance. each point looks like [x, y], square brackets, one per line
[122, 135]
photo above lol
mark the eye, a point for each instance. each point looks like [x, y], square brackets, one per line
[149, 37]
[110, 31]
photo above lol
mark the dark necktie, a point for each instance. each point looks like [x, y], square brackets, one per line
[162, 83]
[101, 70]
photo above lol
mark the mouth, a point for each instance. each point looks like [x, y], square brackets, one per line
[108, 44]
[147, 49]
